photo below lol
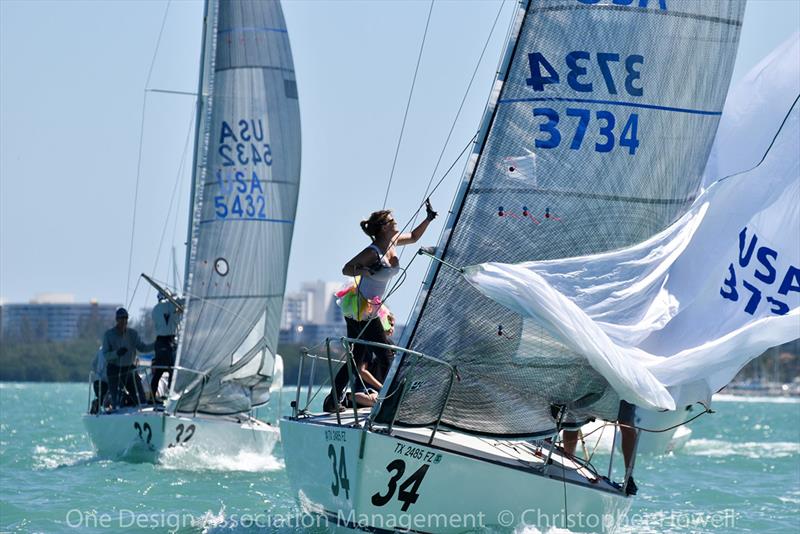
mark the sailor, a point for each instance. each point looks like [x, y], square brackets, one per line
[381, 361]
[166, 317]
[364, 312]
[119, 350]
[99, 381]
[627, 430]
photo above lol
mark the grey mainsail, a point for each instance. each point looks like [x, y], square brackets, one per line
[246, 182]
[595, 138]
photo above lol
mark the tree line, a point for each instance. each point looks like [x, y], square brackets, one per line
[26, 357]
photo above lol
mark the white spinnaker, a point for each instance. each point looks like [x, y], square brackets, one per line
[755, 106]
[672, 320]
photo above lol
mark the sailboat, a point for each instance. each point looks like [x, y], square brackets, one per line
[243, 201]
[610, 108]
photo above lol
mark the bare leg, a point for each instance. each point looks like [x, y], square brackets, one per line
[366, 399]
[628, 445]
[570, 441]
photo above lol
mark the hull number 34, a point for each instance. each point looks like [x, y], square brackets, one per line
[407, 490]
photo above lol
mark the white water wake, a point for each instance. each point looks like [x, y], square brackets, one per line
[193, 459]
[724, 397]
[751, 449]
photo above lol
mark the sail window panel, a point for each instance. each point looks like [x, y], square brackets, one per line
[660, 75]
[253, 339]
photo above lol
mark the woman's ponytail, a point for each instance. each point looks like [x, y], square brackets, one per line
[377, 219]
[365, 227]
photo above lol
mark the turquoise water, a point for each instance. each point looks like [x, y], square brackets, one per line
[740, 472]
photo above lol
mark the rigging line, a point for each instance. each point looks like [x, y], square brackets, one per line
[211, 302]
[460, 107]
[178, 180]
[769, 148]
[408, 105]
[141, 144]
[135, 288]
[452, 165]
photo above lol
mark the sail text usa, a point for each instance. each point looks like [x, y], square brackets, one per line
[243, 156]
[757, 277]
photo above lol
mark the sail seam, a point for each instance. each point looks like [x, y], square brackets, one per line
[265, 67]
[246, 219]
[248, 180]
[577, 194]
[680, 14]
[253, 29]
[610, 102]
[263, 296]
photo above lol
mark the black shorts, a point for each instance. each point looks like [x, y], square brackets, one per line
[627, 412]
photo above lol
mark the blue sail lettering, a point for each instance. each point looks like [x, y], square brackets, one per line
[258, 133]
[763, 255]
[256, 184]
[744, 257]
[791, 282]
[243, 130]
[226, 184]
[226, 131]
[662, 4]
[241, 186]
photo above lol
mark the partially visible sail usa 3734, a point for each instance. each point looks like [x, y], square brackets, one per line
[672, 320]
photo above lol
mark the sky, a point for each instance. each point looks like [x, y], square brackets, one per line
[73, 108]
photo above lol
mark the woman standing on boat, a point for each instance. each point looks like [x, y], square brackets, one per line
[364, 312]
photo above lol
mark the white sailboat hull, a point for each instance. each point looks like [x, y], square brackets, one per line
[144, 434]
[366, 480]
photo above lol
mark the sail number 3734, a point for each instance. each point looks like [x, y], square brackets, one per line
[605, 72]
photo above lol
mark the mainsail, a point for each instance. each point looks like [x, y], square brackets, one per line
[619, 102]
[246, 181]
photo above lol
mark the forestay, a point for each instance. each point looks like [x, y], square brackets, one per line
[245, 195]
[613, 106]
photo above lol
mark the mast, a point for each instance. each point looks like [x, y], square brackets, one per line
[201, 85]
[201, 124]
[472, 167]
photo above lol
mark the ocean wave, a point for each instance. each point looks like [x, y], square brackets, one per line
[792, 498]
[750, 449]
[13, 385]
[724, 397]
[194, 459]
[54, 458]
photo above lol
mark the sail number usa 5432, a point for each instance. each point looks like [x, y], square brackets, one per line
[242, 154]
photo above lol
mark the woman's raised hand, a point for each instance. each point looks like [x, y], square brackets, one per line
[431, 215]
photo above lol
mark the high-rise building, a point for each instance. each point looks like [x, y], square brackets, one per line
[311, 314]
[53, 317]
[296, 309]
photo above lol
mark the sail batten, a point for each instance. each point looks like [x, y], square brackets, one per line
[244, 207]
[595, 138]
